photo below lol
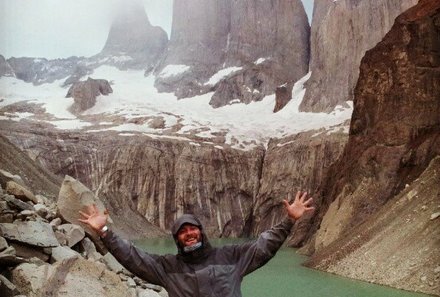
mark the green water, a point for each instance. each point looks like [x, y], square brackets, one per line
[284, 276]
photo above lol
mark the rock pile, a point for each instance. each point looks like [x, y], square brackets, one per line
[42, 254]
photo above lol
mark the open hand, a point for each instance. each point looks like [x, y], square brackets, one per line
[299, 206]
[94, 218]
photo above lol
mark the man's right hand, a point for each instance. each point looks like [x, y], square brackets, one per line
[94, 218]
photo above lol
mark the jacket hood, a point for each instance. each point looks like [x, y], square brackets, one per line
[198, 254]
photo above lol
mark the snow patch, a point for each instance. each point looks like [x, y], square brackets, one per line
[222, 74]
[173, 70]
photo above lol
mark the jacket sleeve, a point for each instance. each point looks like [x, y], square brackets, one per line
[144, 265]
[254, 254]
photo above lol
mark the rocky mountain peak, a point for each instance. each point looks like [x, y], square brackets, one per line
[133, 39]
[267, 42]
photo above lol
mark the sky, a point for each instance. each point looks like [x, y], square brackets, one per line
[63, 28]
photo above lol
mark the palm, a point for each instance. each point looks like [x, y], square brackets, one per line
[299, 206]
[94, 218]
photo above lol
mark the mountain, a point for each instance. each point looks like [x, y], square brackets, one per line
[237, 49]
[152, 157]
[132, 42]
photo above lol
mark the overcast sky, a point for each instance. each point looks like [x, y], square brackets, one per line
[63, 28]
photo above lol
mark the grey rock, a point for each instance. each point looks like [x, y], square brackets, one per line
[75, 197]
[27, 251]
[16, 203]
[88, 248]
[7, 289]
[74, 277]
[74, 233]
[3, 206]
[20, 192]
[147, 293]
[114, 265]
[61, 253]
[6, 176]
[41, 210]
[61, 237]
[3, 244]
[6, 217]
[131, 283]
[8, 257]
[33, 233]
[55, 222]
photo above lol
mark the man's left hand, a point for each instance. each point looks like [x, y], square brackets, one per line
[300, 205]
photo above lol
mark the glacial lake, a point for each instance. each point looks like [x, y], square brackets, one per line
[284, 276]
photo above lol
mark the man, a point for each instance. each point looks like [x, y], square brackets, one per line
[199, 269]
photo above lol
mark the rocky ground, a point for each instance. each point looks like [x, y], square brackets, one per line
[44, 252]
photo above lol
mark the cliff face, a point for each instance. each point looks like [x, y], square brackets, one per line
[158, 179]
[212, 35]
[342, 31]
[295, 163]
[388, 147]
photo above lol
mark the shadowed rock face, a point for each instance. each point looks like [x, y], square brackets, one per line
[5, 68]
[394, 134]
[342, 32]
[211, 35]
[39, 71]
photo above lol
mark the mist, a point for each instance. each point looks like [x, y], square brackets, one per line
[63, 28]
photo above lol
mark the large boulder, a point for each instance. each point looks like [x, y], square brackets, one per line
[75, 197]
[85, 92]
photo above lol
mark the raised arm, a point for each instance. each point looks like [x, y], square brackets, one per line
[147, 266]
[257, 253]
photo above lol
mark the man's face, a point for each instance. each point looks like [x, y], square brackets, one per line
[189, 235]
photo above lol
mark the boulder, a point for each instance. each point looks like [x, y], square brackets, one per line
[33, 233]
[74, 277]
[74, 233]
[27, 251]
[6, 176]
[16, 203]
[75, 197]
[20, 192]
[61, 253]
[283, 94]
[84, 93]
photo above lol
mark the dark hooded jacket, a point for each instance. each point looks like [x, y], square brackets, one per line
[207, 271]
